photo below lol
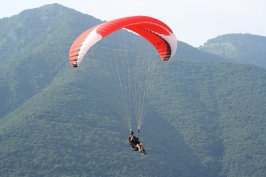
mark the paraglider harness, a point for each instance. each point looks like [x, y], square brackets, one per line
[134, 141]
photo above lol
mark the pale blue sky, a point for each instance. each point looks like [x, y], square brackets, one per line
[193, 21]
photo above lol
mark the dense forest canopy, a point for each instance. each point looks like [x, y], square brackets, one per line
[207, 117]
[241, 48]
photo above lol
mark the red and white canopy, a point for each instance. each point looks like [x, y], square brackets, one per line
[153, 30]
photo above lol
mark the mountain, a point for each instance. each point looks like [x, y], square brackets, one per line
[33, 49]
[207, 117]
[243, 48]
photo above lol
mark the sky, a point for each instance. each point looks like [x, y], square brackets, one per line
[193, 21]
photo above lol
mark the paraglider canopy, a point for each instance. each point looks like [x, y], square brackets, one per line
[153, 30]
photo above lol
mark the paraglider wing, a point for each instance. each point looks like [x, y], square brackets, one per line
[153, 30]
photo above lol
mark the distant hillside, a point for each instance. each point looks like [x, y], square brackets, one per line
[34, 48]
[243, 48]
[187, 52]
[207, 117]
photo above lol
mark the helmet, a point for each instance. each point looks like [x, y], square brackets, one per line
[131, 132]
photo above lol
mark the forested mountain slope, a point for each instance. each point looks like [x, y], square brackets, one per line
[207, 118]
[242, 48]
[34, 48]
